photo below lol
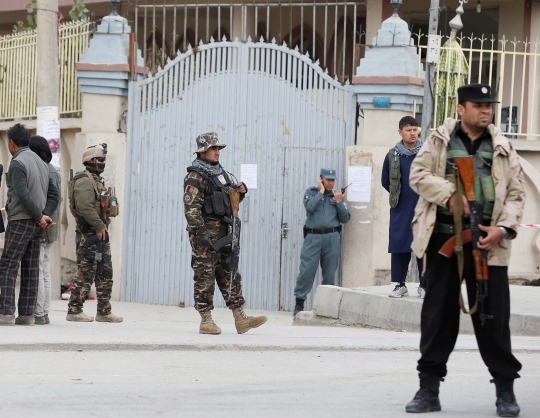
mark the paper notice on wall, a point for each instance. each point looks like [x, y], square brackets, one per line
[48, 126]
[360, 189]
[248, 175]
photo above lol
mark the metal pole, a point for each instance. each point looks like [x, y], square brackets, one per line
[427, 103]
[48, 94]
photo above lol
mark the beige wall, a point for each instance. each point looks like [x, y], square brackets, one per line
[366, 235]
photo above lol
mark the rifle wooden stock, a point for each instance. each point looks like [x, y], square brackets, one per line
[104, 205]
[234, 197]
[448, 248]
[465, 167]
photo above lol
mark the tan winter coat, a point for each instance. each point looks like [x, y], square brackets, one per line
[428, 180]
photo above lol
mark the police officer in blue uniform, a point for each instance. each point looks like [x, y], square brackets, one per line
[326, 211]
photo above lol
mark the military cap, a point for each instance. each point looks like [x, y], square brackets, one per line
[328, 173]
[208, 140]
[95, 151]
[476, 93]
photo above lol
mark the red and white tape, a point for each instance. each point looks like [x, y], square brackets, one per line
[529, 225]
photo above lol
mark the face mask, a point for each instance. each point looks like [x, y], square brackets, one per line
[96, 168]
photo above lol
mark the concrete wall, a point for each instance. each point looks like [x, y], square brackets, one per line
[366, 261]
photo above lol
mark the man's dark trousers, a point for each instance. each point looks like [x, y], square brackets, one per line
[441, 312]
[22, 242]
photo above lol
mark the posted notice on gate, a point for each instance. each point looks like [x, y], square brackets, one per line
[360, 189]
[248, 175]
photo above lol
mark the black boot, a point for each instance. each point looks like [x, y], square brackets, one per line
[427, 398]
[506, 400]
[299, 307]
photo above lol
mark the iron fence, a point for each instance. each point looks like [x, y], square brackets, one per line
[18, 68]
[511, 68]
[326, 32]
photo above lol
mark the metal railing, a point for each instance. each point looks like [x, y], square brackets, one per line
[511, 68]
[327, 32]
[18, 70]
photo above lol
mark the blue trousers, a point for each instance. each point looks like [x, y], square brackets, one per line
[400, 265]
[323, 248]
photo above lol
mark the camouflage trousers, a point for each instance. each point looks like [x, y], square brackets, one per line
[210, 267]
[86, 275]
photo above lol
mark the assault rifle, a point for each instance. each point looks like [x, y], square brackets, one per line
[101, 255]
[465, 168]
[234, 235]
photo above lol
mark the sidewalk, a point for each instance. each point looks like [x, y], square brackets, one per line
[154, 327]
[371, 306]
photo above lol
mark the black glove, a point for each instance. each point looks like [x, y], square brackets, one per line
[245, 187]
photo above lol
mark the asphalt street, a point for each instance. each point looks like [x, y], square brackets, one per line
[173, 383]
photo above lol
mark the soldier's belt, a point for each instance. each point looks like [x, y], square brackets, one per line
[321, 230]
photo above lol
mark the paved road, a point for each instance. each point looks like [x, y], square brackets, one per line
[174, 383]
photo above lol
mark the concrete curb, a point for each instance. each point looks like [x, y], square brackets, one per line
[220, 347]
[369, 307]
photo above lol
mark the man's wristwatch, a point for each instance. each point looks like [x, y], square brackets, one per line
[505, 232]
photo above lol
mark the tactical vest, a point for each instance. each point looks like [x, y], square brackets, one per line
[99, 188]
[484, 187]
[395, 177]
[216, 201]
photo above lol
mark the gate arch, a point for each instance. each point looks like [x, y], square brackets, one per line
[262, 99]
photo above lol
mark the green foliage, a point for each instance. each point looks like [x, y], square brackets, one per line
[78, 10]
[20, 26]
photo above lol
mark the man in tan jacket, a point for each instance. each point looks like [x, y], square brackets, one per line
[500, 190]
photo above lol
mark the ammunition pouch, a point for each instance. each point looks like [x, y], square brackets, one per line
[113, 211]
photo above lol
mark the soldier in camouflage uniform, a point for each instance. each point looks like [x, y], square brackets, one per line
[86, 189]
[207, 208]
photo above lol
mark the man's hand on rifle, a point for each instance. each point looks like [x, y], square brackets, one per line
[493, 236]
[451, 201]
[241, 187]
[102, 235]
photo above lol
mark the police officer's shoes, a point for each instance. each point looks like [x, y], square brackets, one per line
[299, 307]
[506, 400]
[79, 317]
[244, 323]
[399, 291]
[108, 318]
[427, 397]
[208, 325]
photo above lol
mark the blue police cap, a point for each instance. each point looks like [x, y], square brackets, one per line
[328, 173]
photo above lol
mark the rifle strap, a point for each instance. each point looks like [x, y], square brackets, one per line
[458, 249]
[93, 183]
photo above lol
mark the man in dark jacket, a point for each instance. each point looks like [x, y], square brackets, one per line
[395, 179]
[32, 199]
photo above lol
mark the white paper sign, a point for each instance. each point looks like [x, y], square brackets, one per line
[48, 126]
[47, 113]
[248, 174]
[48, 129]
[360, 189]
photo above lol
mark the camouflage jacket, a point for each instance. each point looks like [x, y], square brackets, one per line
[427, 178]
[195, 190]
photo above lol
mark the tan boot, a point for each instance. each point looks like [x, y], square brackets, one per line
[244, 323]
[79, 317]
[207, 324]
[108, 318]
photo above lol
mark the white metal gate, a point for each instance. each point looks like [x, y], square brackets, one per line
[272, 107]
